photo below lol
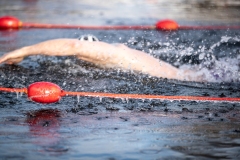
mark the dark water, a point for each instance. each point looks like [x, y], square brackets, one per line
[103, 128]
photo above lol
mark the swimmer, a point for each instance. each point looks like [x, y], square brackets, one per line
[102, 54]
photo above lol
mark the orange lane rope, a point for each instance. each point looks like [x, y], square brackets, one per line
[46, 92]
[124, 27]
[23, 90]
[9, 22]
[143, 96]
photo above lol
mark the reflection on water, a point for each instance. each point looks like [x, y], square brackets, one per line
[44, 128]
[44, 125]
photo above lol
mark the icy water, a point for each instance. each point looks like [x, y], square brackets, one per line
[103, 128]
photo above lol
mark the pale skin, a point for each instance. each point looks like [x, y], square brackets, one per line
[102, 54]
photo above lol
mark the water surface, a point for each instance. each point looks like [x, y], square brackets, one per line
[103, 128]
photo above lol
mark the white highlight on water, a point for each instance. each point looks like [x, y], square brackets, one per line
[78, 98]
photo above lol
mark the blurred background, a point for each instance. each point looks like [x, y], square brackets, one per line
[94, 12]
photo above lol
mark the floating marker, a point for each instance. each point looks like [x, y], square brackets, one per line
[9, 22]
[168, 25]
[44, 92]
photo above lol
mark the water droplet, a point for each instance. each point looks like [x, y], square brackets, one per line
[21, 94]
[17, 94]
[201, 56]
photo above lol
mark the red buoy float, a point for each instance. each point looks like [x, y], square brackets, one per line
[9, 22]
[44, 92]
[167, 25]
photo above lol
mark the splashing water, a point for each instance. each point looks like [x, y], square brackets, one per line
[224, 70]
[224, 39]
[217, 63]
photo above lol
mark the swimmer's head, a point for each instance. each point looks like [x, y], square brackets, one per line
[89, 38]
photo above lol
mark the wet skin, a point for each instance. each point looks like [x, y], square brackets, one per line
[102, 54]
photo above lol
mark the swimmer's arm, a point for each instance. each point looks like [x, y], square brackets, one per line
[57, 47]
[99, 53]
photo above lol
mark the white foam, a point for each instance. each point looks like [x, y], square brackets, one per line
[224, 70]
[212, 69]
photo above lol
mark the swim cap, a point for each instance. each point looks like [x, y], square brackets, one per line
[89, 38]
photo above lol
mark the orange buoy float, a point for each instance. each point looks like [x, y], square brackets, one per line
[167, 25]
[44, 92]
[9, 22]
